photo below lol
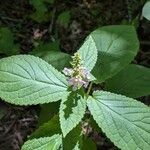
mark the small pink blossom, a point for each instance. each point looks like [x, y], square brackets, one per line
[86, 73]
[78, 75]
[68, 71]
[82, 79]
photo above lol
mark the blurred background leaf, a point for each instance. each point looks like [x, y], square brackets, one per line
[41, 11]
[64, 18]
[48, 111]
[45, 47]
[7, 45]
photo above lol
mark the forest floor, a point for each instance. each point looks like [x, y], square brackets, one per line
[86, 15]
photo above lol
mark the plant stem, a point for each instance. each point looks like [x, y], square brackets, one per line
[89, 89]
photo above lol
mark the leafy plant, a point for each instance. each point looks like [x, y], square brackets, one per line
[106, 53]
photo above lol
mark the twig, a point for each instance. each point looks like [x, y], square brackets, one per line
[50, 29]
[11, 19]
[145, 42]
[9, 128]
[129, 11]
[89, 89]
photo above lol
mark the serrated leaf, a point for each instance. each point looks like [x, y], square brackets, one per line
[48, 111]
[7, 45]
[57, 59]
[124, 120]
[73, 140]
[117, 45]
[146, 10]
[72, 110]
[133, 81]
[88, 52]
[46, 143]
[27, 80]
[47, 129]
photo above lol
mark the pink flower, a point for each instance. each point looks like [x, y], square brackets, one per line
[77, 81]
[85, 73]
[67, 71]
[78, 76]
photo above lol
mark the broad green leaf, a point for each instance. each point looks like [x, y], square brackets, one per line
[44, 47]
[117, 45]
[48, 111]
[124, 120]
[88, 144]
[64, 18]
[47, 129]
[57, 59]
[72, 110]
[46, 143]
[27, 80]
[146, 10]
[7, 45]
[88, 52]
[73, 140]
[133, 81]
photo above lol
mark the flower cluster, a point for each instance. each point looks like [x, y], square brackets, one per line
[78, 75]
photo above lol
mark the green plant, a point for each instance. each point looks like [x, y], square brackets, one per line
[104, 57]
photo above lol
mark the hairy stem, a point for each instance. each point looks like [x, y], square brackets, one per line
[89, 89]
